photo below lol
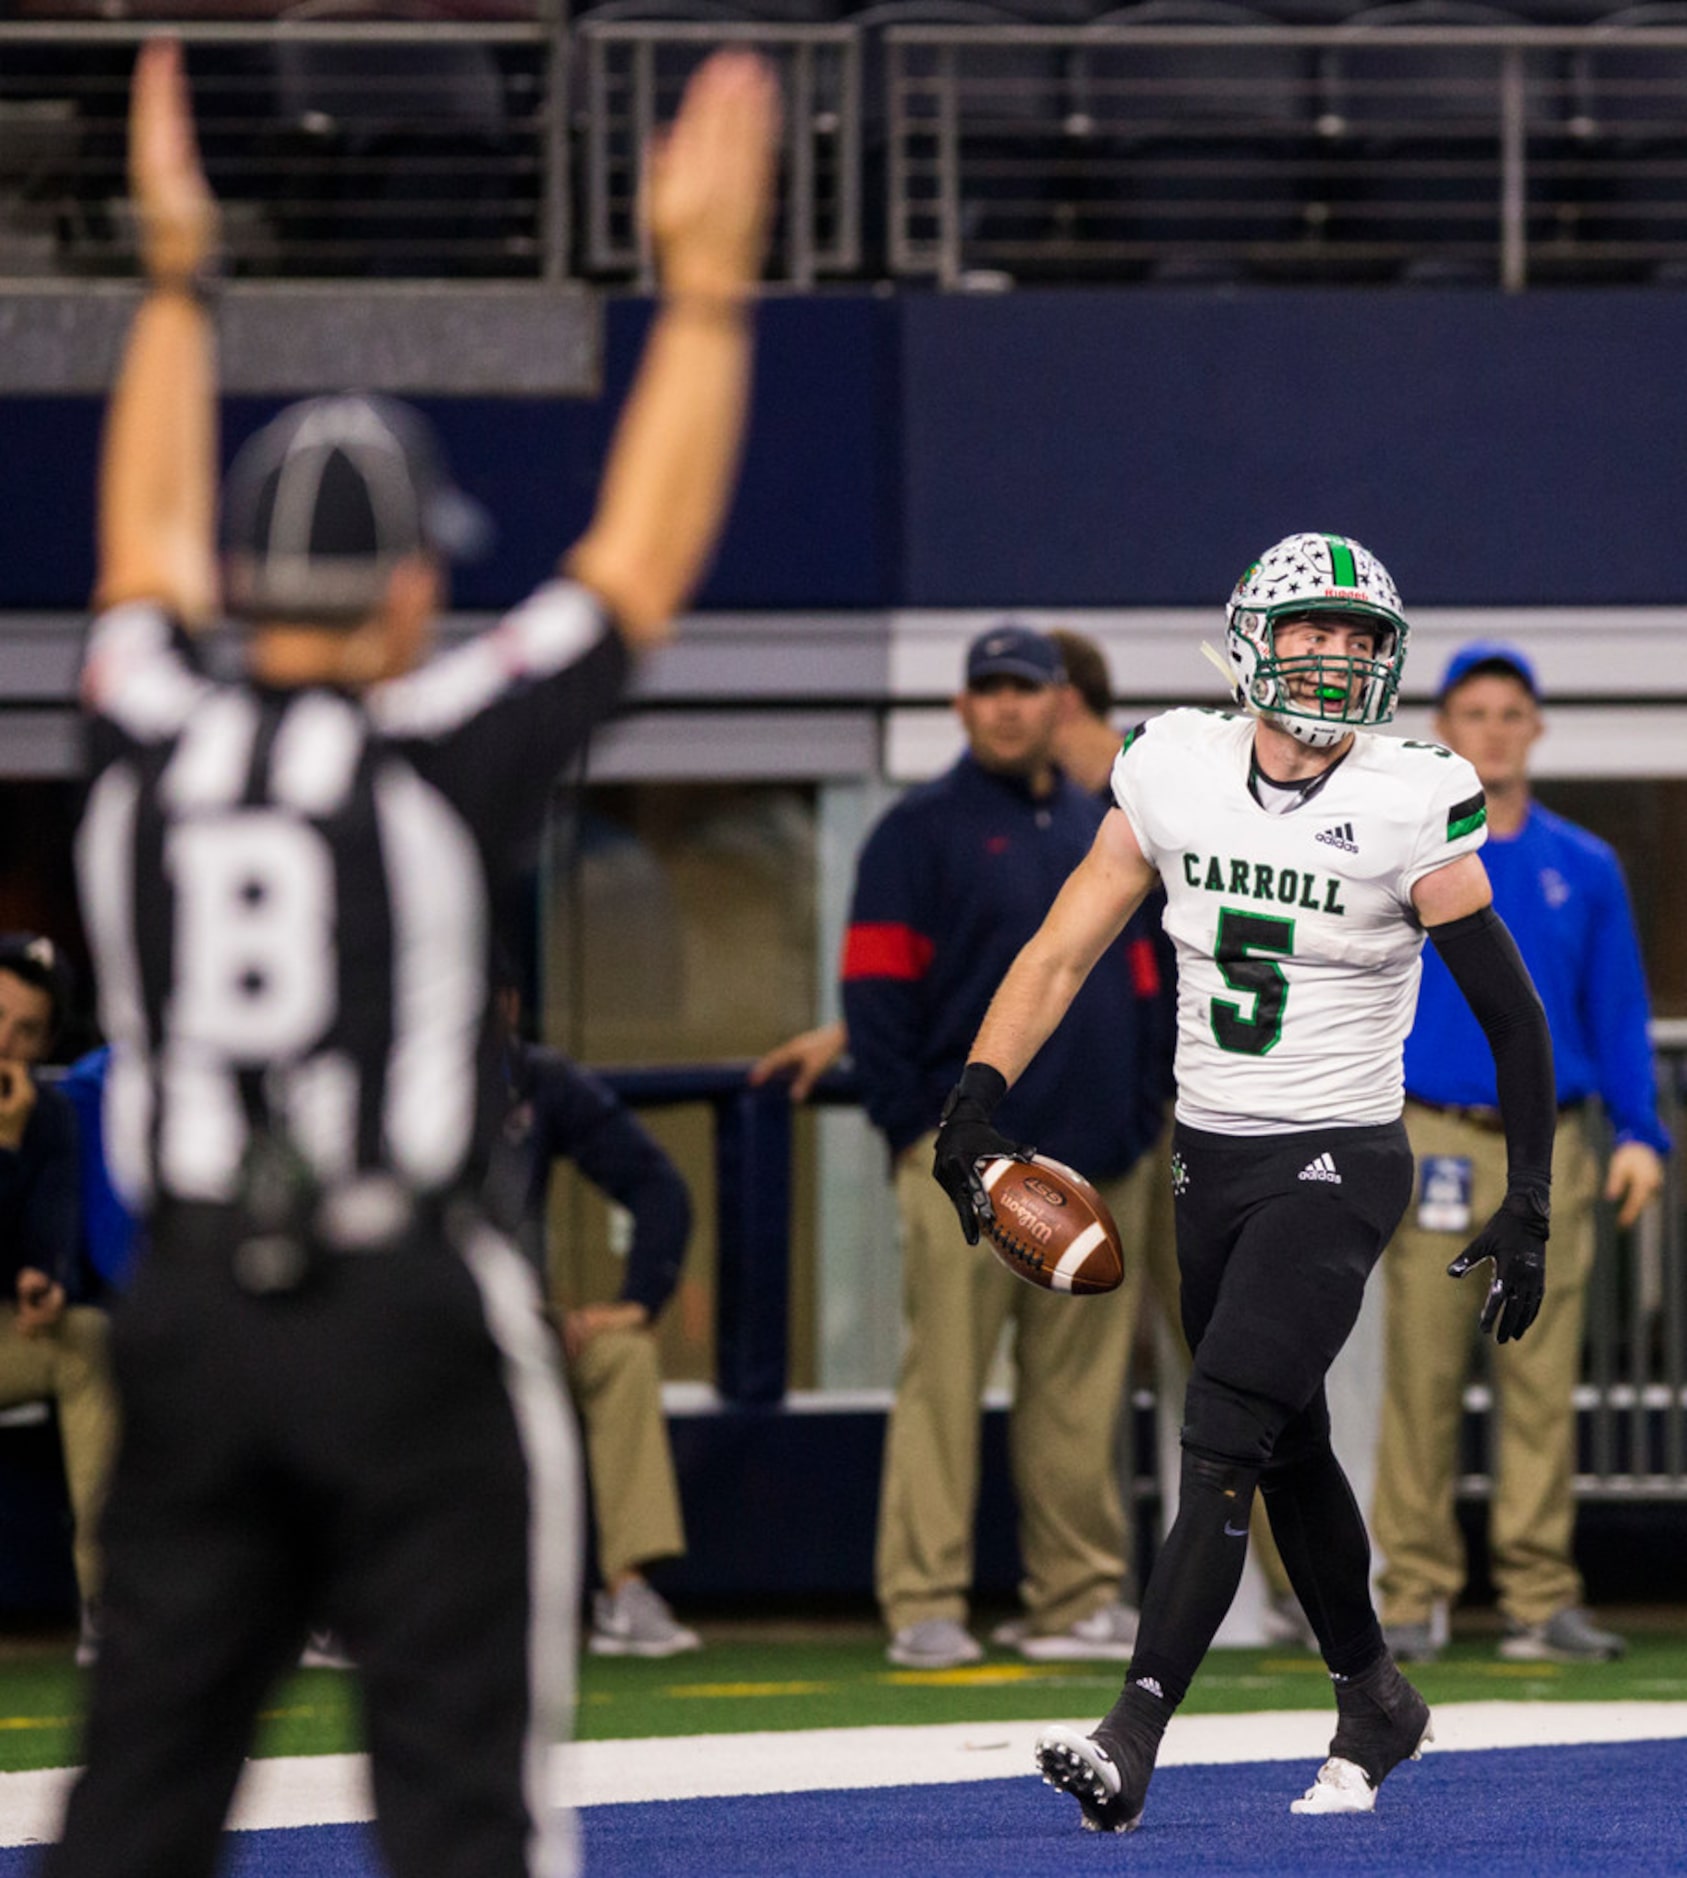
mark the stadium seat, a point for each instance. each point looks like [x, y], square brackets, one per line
[1630, 126]
[1415, 131]
[1011, 130]
[1206, 157]
[398, 152]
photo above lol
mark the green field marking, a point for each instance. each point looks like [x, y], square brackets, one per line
[742, 1683]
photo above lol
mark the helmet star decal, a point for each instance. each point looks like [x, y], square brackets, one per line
[1318, 696]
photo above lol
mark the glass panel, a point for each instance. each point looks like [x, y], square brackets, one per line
[678, 926]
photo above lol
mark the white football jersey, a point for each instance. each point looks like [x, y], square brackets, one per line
[1298, 949]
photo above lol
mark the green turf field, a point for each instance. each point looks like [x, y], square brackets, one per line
[784, 1676]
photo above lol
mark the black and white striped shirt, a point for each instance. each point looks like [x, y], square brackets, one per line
[288, 893]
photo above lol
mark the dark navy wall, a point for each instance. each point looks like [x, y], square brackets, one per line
[1086, 448]
[1098, 449]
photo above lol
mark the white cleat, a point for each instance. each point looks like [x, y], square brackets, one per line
[1078, 1764]
[1345, 1787]
[1341, 1787]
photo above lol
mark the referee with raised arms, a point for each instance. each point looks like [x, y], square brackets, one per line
[338, 1397]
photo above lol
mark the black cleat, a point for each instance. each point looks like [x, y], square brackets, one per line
[1381, 1720]
[1099, 1775]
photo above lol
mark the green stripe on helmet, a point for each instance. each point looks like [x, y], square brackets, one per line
[1342, 571]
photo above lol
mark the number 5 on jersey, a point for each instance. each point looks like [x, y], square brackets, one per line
[1240, 936]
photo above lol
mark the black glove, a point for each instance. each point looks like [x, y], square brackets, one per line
[964, 1138]
[1515, 1239]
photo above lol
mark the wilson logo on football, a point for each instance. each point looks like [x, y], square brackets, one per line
[1039, 1229]
[1044, 1191]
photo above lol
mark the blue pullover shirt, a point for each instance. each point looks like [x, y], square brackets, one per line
[951, 883]
[1562, 893]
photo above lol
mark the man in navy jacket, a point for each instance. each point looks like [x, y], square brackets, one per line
[952, 881]
[558, 1111]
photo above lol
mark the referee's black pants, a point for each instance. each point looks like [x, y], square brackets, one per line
[385, 1450]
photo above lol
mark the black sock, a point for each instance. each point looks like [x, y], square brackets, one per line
[1194, 1579]
[1139, 1715]
[1321, 1534]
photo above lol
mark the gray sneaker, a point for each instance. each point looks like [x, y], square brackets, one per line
[636, 1621]
[1567, 1636]
[937, 1643]
[1105, 1636]
[324, 1650]
[1411, 1643]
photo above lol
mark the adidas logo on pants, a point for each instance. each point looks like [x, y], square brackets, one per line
[1321, 1169]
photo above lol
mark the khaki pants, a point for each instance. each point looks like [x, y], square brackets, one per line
[617, 1387]
[71, 1365]
[1431, 1331]
[1070, 1359]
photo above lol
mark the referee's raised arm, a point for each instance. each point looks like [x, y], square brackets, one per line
[158, 478]
[708, 192]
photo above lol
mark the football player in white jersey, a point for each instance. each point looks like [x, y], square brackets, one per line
[1304, 859]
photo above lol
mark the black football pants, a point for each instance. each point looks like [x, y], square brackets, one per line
[1276, 1236]
[385, 1450]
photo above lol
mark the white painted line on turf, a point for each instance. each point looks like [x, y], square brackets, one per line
[694, 1767]
[333, 1789]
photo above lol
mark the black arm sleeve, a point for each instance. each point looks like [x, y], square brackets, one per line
[1486, 966]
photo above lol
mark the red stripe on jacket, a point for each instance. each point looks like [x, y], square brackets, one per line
[1145, 968]
[886, 951]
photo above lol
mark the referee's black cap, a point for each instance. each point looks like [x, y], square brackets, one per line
[326, 500]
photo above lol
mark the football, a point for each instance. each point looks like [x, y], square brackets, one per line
[1052, 1228]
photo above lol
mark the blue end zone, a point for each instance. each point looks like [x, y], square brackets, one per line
[1511, 1813]
[1531, 1812]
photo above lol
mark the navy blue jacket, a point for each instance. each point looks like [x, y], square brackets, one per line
[40, 1218]
[558, 1111]
[951, 883]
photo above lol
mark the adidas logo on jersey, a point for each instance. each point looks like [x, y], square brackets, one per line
[1339, 837]
[1321, 1169]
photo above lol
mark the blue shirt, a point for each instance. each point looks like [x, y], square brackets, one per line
[1562, 893]
[109, 1234]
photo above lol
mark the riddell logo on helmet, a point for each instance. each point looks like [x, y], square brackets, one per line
[1344, 593]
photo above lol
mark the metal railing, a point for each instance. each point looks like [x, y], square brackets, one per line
[1287, 153]
[631, 74]
[1631, 1402]
[445, 148]
[380, 149]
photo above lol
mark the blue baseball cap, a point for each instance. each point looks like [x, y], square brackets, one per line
[1483, 657]
[1013, 651]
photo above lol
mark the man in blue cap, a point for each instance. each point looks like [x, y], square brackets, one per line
[1561, 892]
[952, 881]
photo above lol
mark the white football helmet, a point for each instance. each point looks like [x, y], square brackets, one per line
[1320, 697]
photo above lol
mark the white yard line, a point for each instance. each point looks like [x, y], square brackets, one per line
[333, 1789]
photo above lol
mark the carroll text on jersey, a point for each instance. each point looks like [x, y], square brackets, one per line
[1256, 880]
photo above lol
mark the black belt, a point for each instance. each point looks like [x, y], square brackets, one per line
[1488, 1120]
